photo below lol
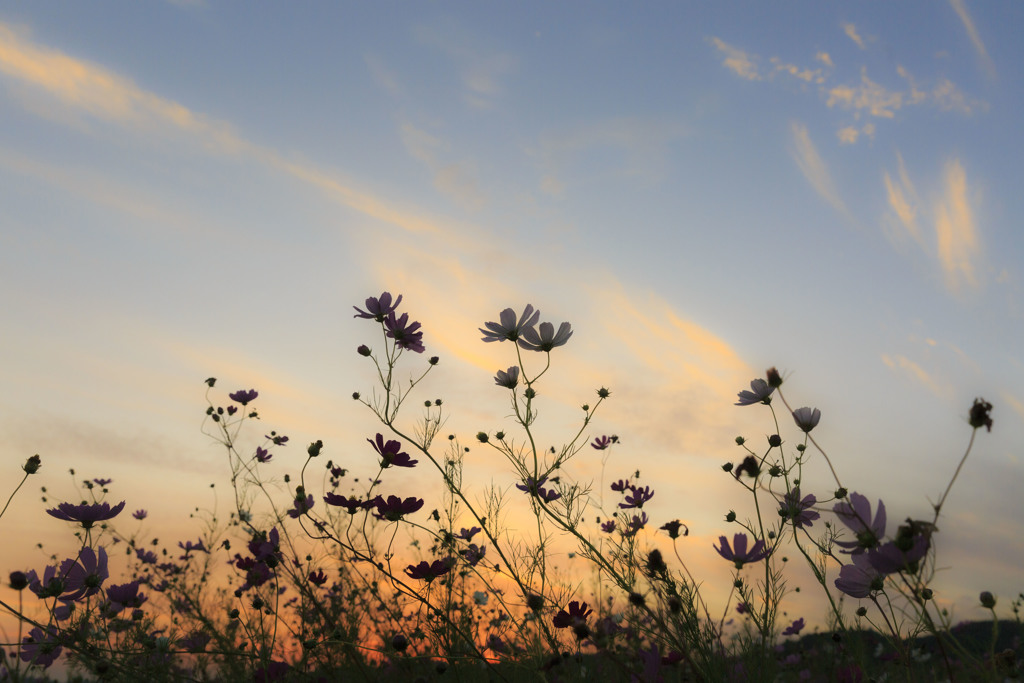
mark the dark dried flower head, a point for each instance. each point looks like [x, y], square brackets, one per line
[979, 415]
[32, 465]
[774, 378]
[656, 563]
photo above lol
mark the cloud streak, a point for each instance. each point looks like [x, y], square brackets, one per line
[814, 168]
[960, 7]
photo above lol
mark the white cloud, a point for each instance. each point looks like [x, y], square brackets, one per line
[955, 231]
[814, 168]
[851, 31]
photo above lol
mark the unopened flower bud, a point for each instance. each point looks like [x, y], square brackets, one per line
[740, 441]
[988, 601]
[19, 581]
[530, 393]
[482, 437]
[775, 471]
[604, 393]
[33, 464]
[355, 396]
[400, 642]
[433, 360]
[315, 448]
[841, 492]
[731, 516]
[774, 440]
[727, 467]
[862, 611]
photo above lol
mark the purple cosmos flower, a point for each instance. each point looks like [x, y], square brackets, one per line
[263, 455]
[797, 509]
[890, 558]
[806, 418]
[276, 439]
[302, 505]
[125, 595]
[145, 556]
[608, 527]
[196, 641]
[860, 579]
[534, 489]
[858, 518]
[189, 547]
[547, 338]
[140, 514]
[86, 514]
[637, 498]
[576, 613]
[84, 576]
[601, 443]
[350, 504]
[103, 482]
[429, 572]
[760, 393]
[621, 485]
[244, 396]
[50, 586]
[738, 553]
[794, 628]
[378, 309]
[635, 524]
[468, 534]
[508, 328]
[390, 453]
[318, 578]
[41, 648]
[508, 379]
[406, 335]
[394, 508]
[473, 554]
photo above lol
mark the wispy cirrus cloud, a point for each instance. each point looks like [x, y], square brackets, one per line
[82, 87]
[862, 98]
[915, 372]
[457, 179]
[960, 7]
[954, 240]
[481, 69]
[814, 168]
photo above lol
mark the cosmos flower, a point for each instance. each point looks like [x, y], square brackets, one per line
[301, 505]
[473, 554]
[806, 418]
[406, 335]
[508, 328]
[673, 528]
[42, 648]
[637, 498]
[263, 455]
[125, 595]
[601, 443]
[608, 527]
[394, 508]
[378, 309]
[635, 524]
[547, 338]
[429, 572]
[857, 516]
[860, 579]
[318, 578]
[508, 379]
[760, 393]
[84, 576]
[575, 613]
[390, 453]
[140, 514]
[738, 553]
[86, 514]
[350, 504]
[794, 628]
[243, 396]
[797, 509]
[534, 488]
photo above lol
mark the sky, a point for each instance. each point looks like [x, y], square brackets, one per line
[704, 190]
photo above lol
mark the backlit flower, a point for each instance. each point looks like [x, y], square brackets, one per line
[244, 396]
[394, 508]
[508, 328]
[806, 418]
[738, 553]
[857, 516]
[534, 488]
[797, 509]
[547, 338]
[429, 572]
[601, 443]
[860, 579]
[637, 498]
[508, 379]
[378, 309]
[84, 576]
[406, 335]
[86, 514]
[760, 392]
[391, 453]
[574, 614]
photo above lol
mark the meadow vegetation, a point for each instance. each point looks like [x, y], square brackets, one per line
[344, 579]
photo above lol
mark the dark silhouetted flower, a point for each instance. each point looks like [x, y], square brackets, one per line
[979, 415]
[508, 379]
[797, 509]
[390, 453]
[84, 576]
[508, 328]
[890, 558]
[189, 547]
[18, 581]
[263, 455]
[858, 518]
[601, 443]
[608, 527]
[738, 553]
[794, 628]
[429, 572]
[103, 482]
[86, 514]
[749, 466]
[860, 579]
[40, 647]
[473, 554]
[637, 498]
[301, 505]
[534, 488]
[32, 465]
[635, 524]
[987, 600]
[547, 338]
[196, 641]
[350, 504]
[760, 392]
[125, 595]
[673, 528]
[575, 613]
[244, 396]
[140, 514]
[378, 309]
[276, 439]
[406, 334]
[145, 556]
[620, 485]
[318, 578]
[394, 508]
[806, 418]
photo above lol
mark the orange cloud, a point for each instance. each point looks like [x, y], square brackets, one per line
[960, 7]
[814, 168]
[738, 61]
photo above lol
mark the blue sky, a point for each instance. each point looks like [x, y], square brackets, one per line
[704, 190]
